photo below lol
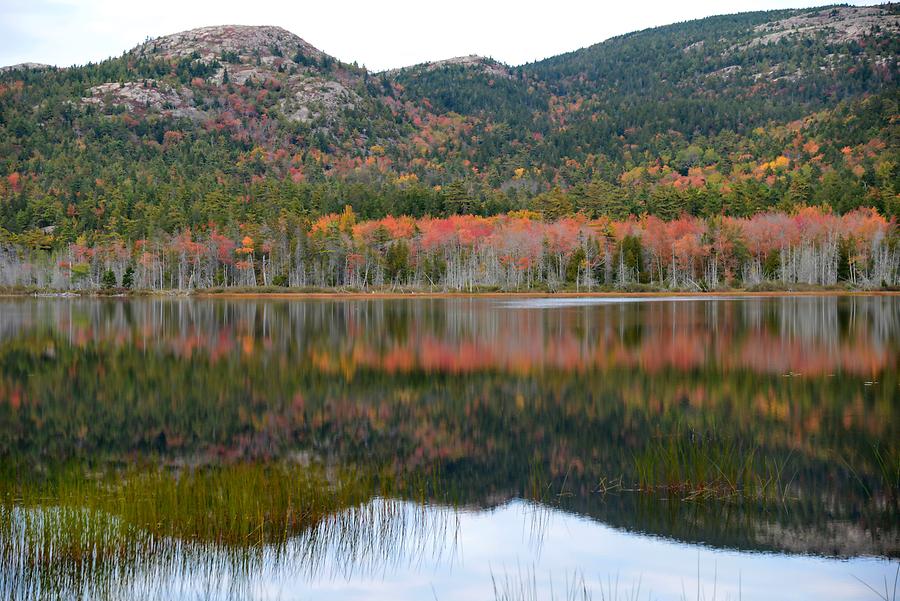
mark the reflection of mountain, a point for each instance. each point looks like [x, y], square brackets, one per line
[491, 398]
[795, 528]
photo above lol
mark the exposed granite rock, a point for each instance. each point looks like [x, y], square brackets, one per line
[316, 97]
[24, 66]
[245, 54]
[267, 43]
[839, 24]
[144, 96]
[472, 61]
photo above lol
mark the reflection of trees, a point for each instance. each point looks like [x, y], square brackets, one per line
[485, 396]
[807, 335]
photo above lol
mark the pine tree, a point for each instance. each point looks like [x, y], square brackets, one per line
[667, 203]
[554, 204]
[843, 262]
[457, 198]
[109, 279]
[573, 267]
[601, 198]
[128, 278]
[397, 262]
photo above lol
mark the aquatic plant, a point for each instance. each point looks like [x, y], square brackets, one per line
[694, 466]
[139, 532]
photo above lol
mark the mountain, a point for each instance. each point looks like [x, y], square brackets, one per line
[24, 66]
[234, 124]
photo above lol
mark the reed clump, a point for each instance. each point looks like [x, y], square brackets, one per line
[239, 504]
[692, 466]
[105, 533]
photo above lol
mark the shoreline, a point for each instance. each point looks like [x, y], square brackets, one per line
[388, 295]
[439, 295]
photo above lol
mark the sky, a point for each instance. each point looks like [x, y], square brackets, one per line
[381, 34]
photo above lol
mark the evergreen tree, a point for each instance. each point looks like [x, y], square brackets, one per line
[601, 198]
[396, 267]
[108, 280]
[457, 199]
[128, 278]
[554, 204]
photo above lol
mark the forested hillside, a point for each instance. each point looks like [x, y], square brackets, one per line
[226, 130]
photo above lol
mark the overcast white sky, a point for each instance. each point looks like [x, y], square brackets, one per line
[378, 34]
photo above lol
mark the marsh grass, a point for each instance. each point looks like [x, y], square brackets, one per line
[889, 594]
[56, 553]
[241, 504]
[523, 586]
[888, 461]
[706, 467]
[77, 535]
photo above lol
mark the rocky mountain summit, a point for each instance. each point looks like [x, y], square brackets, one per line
[268, 45]
[311, 84]
[475, 62]
[23, 66]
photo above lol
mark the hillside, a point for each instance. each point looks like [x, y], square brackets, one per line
[231, 124]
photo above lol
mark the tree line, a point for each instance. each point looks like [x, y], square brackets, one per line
[518, 250]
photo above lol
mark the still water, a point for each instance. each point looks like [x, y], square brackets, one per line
[461, 448]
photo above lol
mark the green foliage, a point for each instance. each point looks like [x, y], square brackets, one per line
[843, 265]
[128, 278]
[434, 268]
[457, 199]
[772, 264]
[109, 279]
[602, 199]
[230, 56]
[632, 256]
[396, 268]
[574, 265]
[554, 204]
[80, 271]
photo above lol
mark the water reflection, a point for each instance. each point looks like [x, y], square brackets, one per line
[460, 404]
[806, 335]
[363, 543]
[405, 552]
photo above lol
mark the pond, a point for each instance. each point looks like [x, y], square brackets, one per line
[450, 448]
